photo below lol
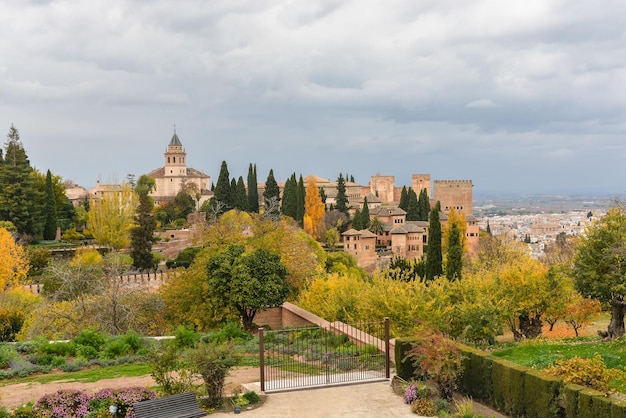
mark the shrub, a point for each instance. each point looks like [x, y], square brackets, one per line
[424, 407]
[168, 372]
[442, 405]
[24, 411]
[123, 398]
[115, 348]
[25, 347]
[185, 337]
[213, 362]
[7, 353]
[90, 338]
[252, 397]
[230, 331]
[464, 408]
[590, 372]
[410, 394]
[58, 361]
[133, 340]
[86, 352]
[439, 358]
[64, 403]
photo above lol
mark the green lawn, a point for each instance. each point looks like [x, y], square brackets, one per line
[89, 375]
[542, 353]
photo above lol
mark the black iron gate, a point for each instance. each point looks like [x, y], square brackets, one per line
[312, 356]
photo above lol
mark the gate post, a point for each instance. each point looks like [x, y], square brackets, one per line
[261, 360]
[387, 362]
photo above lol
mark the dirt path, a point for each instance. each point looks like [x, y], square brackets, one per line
[21, 393]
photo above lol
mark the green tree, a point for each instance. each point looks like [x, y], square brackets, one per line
[357, 220]
[142, 233]
[223, 192]
[253, 191]
[341, 200]
[20, 200]
[433, 253]
[111, 217]
[365, 215]
[241, 200]
[290, 199]
[454, 263]
[50, 210]
[248, 282]
[600, 265]
[412, 211]
[272, 191]
[488, 228]
[404, 199]
[300, 201]
[423, 204]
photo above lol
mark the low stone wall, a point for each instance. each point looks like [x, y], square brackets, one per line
[149, 281]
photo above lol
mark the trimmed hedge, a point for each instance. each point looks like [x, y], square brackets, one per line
[519, 391]
[404, 368]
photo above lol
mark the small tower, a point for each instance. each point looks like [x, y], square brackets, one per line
[175, 158]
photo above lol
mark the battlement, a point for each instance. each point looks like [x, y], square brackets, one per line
[454, 181]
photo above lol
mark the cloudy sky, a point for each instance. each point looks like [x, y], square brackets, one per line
[518, 96]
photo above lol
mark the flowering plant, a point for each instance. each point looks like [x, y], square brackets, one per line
[64, 403]
[410, 394]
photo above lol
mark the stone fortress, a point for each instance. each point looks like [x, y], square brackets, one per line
[398, 236]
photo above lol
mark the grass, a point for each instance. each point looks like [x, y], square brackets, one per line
[542, 353]
[89, 375]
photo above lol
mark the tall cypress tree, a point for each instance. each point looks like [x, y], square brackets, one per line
[272, 191]
[488, 228]
[365, 215]
[341, 201]
[300, 197]
[253, 191]
[290, 199]
[434, 257]
[50, 210]
[423, 204]
[454, 265]
[404, 199]
[412, 210]
[21, 202]
[357, 220]
[241, 199]
[223, 192]
[142, 233]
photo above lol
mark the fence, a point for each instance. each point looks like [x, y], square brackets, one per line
[310, 356]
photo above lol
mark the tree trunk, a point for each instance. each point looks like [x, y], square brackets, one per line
[530, 327]
[616, 326]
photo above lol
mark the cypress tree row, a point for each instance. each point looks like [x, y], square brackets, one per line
[50, 210]
[412, 210]
[454, 263]
[434, 257]
[423, 204]
[341, 201]
[365, 215]
[222, 191]
[290, 198]
[253, 191]
[300, 197]
[357, 220]
[241, 199]
[404, 199]
[272, 191]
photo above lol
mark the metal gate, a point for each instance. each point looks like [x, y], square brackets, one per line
[301, 357]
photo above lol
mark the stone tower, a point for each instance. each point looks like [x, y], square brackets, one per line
[420, 182]
[454, 193]
[383, 187]
[175, 156]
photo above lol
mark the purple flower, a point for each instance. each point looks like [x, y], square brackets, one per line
[410, 394]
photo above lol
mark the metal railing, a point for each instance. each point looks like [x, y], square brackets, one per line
[312, 356]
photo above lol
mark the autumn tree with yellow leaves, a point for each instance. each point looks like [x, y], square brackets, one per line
[313, 210]
[13, 261]
[112, 216]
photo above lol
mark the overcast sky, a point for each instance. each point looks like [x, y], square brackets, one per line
[518, 96]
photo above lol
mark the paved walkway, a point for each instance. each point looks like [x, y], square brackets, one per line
[375, 399]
